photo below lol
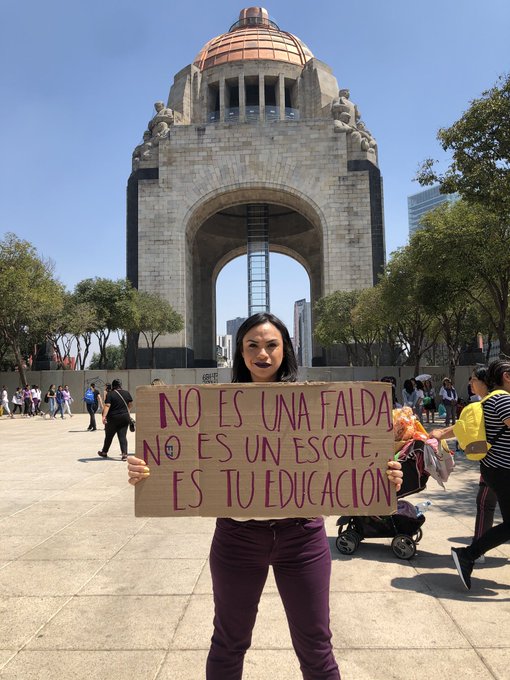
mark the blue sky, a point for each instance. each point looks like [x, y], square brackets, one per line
[78, 81]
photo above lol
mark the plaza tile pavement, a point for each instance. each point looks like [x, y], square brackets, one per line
[89, 591]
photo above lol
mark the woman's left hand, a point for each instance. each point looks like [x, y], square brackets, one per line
[395, 474]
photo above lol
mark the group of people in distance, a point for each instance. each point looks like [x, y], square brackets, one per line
[421, 397]
[114, 405]
[29, 400]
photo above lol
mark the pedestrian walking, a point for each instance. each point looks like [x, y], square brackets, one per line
[116, 419]
[494, 468]
[93, 402]
[59, 398]
[242, 551]
[50, 399]
[486, 499]
[36, 399]
[27, 402]
[17, 401]
[68, 400]
[5, 402]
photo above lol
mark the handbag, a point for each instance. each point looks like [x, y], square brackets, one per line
[132, 422]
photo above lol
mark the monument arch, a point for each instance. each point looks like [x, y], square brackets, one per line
[257, 150]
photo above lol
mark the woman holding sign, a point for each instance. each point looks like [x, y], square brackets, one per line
[242, 550]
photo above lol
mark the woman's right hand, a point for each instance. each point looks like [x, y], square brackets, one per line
[137, 470]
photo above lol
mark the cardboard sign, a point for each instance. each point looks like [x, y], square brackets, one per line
[265, 450]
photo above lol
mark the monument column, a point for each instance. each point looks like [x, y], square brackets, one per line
[262, 98]
[281, 95]
[222, 98]
[242, 99]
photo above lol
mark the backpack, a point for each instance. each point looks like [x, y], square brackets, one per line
[470, 429]
[89, 397]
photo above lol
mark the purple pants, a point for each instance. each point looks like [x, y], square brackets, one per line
[241, 553]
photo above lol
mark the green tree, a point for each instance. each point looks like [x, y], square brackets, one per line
[479, 143]
[376, 334]
[404, 312]
[7, 361]
[31, 297]
[357, 320]
[155, 316]
[113, 303]
[72, 327]
[470, 248]
[80, 327]
[114, 359]
[334, 323]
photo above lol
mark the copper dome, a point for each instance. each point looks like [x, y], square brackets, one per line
[254, 36]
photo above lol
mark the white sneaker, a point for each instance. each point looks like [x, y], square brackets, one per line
[480, 560]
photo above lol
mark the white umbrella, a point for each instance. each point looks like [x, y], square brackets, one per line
[423, 376]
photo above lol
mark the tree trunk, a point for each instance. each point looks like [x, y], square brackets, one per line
[19, 360]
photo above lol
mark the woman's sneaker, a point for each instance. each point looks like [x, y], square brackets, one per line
[464, 565]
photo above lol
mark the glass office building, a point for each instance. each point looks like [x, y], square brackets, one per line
[420, 203]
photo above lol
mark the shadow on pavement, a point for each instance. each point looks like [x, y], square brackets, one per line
[98, 459]
[449, 587]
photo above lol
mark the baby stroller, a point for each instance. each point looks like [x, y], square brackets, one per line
[405, 525]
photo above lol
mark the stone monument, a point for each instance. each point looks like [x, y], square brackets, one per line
[254, 123]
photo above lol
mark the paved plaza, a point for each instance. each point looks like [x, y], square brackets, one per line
[89, 591]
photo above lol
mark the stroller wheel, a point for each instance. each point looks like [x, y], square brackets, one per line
[403, 546]
[418, 536]
[347, 542]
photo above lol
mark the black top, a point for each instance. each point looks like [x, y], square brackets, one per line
[495, 411]
[117, 406]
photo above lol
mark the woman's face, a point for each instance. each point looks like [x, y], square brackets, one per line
[262, 352]
[478, 386]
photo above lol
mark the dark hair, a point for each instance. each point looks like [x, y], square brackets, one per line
[393, 382]
[408, 386]
[389, 379]
[495, 372]
[419, 384]
[116, 383]
[288, 369]
[108, 387]
[480, 373]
